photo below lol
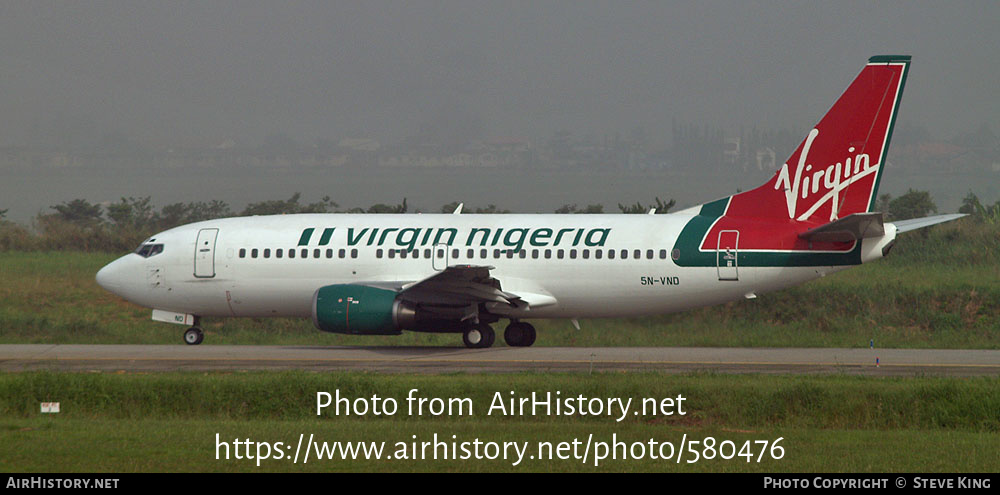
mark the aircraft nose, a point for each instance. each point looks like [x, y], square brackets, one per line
[110, 277]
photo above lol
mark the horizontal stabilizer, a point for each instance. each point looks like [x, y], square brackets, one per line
[850, 228]
[919, 223]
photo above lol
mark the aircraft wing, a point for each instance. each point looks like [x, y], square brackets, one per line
[458, 284]
[919, 223]
[462, 285]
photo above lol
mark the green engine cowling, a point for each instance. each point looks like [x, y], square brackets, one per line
[361, 310]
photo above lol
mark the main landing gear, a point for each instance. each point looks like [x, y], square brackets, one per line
[478, 336]
[482, 336]
[519, 334]
[194, 336]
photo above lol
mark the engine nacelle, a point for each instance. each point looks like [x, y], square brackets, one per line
[359, 309]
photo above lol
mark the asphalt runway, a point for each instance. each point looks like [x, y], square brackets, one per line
[153, 358]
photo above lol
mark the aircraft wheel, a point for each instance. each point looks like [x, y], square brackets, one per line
[193, 336]
[529, 335]
[519, 334]
[478, 336]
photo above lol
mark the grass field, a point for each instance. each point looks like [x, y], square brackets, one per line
[940, 290]
[168, 422]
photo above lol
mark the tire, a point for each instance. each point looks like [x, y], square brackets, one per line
[479, 336]
[193, 336]
[529, 335]
[519, 334]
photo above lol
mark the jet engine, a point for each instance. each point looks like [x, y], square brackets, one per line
[361, 310]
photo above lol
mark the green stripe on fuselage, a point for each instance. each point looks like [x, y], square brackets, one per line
[688, 246]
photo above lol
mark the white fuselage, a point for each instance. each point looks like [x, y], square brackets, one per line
[564, 260]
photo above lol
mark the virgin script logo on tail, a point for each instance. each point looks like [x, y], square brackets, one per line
[828, 182]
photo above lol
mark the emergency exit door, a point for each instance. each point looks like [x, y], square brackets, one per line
[439, 256]
[204, 253]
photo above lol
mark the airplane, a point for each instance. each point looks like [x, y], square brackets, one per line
[382, 274]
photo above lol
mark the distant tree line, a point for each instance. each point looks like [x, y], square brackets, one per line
[120, 226]
[979, 211]
[82, 225]
[913, 204]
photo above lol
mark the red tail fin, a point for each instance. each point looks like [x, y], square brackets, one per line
[836, 170]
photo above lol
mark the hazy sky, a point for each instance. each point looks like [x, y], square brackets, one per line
[179, 72]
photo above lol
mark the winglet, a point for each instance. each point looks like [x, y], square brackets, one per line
[458, 209]
[888, 59]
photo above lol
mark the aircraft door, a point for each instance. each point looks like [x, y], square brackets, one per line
[727, 255]
[204, 253]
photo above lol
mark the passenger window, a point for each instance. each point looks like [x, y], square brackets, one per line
[559, 254]
[624, 254]
[427, 253]
[510, 253]
[471, 253]
[329, 253]
[454, 254]
[521, 253]
[649, 254]
[663, 254]
[403, 253]
[496, 254]
[611, 254]
[637, 254]
[598, 253]
[482, 253]
[253, 253]
[354, 253]
[586, 254]
[378, 253]
[316, 253]
[267, 253]
[548, 254]
[278, 253]
[392, 253]
[243, 252]
[534, 254]
[416, 254]
[304, 253]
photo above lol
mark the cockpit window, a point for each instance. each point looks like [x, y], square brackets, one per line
[147, 250]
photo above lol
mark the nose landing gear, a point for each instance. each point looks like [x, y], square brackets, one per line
[194, 336]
